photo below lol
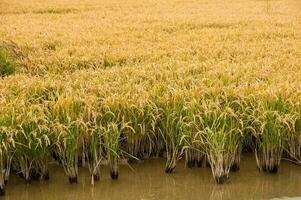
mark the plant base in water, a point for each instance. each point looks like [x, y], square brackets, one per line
[236, 164]
[56, 157]
[96, 177]
[45, 176]
[114, 168]
[208, 164]
[27, 179]
[194, 163]
[72, 180]
[170, 167]
[114, 175]
[34, 175]
[169, 170]
[268, 160]
[221, 179]
[171, 164]
[5, 182]
[193, 158]
[273, 169]
[2, 191]
[235, 167]
[190, 164]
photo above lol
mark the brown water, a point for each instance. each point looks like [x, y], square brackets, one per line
[149, 182]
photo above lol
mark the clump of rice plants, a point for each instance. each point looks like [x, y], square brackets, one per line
[194, 154]
[93, 145]
[43, 148]
[111, 133]
[243, 108]
[6, 152]
[139, 137]
[221, 135]
[94, 151]
[84, 137]
[154, 145]
[293, 137]
[7, 144]
[270, 139]
[134, 136]
[2, 168]
[111, 124]
[32, 143]
[7, 65]
[271, 126]
[172, 126]
[68, 127]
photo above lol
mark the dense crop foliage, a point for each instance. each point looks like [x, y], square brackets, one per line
[99, 82]
[7, 67]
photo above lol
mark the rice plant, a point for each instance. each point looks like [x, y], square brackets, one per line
[68, 127]
[221, 135]
[93, 147]
[32, 142]
[6, 153]
[172, 126]
[292, 146]
[7, 145]
[111, 124]
[194, 152]
[271, 126]
[139, 137]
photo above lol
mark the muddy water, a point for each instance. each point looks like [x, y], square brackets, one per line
[149, 182]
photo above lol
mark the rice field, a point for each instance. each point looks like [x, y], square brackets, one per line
[94, 83]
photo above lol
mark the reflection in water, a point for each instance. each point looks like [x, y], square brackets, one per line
[149, 182]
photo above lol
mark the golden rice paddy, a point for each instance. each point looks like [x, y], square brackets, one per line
[96, 81]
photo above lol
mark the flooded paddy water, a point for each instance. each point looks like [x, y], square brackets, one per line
[148, 181]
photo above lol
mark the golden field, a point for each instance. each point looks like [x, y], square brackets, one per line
[244, 45]
[149, 61]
